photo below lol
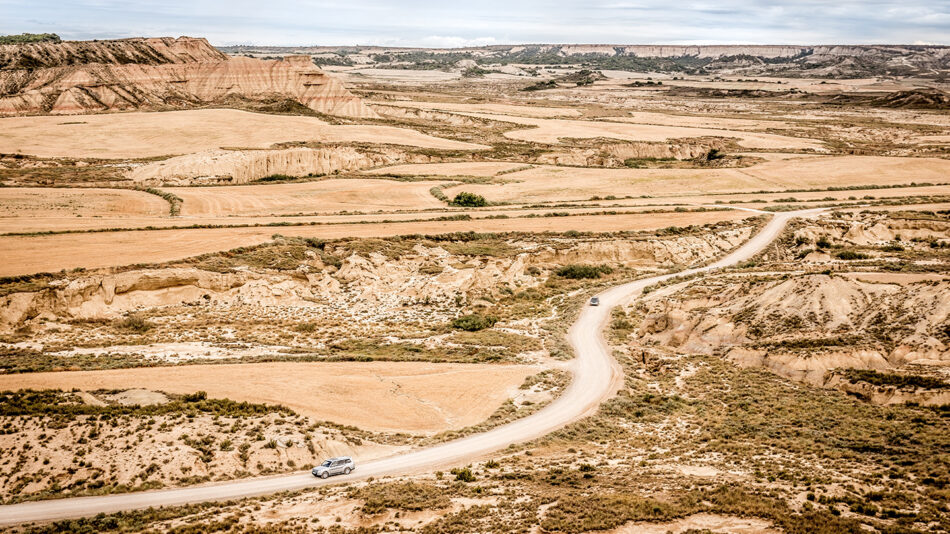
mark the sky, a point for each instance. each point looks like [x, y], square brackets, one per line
[448, 23]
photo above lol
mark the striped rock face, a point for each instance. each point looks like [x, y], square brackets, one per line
[80, 77]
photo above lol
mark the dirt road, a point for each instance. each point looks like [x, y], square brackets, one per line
[596, 375]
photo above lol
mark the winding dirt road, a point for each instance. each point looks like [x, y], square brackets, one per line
[596, 376]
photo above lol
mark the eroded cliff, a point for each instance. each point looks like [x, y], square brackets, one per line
[162, 73]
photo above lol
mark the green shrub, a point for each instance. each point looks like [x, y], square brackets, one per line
[851, 255]
[409, 496]
[276, 178]
[540, 86]
[197, 396]
[135, 323]
[25, 38]
[26, 402]
[463, 475]
[469, 200]
[577, 514]
[474, 322]
[577, 271]
[900, 381]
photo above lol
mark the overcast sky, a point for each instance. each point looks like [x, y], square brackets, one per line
[478, 22]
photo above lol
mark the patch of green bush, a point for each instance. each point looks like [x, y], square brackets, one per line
[409, 496]
[26, 38]
[463, 474]
[576, 271]
[876, 378]
[469, 200]
[541, 86]
[135, 323]
[851, 255]
[474, 322]
[575, 514]
[49, 402]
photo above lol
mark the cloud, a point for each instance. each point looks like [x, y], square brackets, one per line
[449, 24]
[442, 41]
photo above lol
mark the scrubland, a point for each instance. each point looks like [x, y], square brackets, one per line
[187, 302]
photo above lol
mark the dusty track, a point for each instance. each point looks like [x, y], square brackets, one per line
[596, 377]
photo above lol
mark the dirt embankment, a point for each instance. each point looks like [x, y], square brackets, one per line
[804, 325]
[616, 154]
[81, 77]
[149, 51]
[427, 115]
[243, 166]
[370, 282]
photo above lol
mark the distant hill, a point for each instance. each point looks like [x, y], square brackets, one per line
[831, 61]
[160, 73]
[29, 38]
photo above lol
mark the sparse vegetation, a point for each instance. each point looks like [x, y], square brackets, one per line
[901, 381]
[469, 200]
[409, 496]
[577, 272]
[474, 322]
[27, 38]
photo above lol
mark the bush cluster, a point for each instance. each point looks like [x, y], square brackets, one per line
[474, 322]
[469, 200]
[576, 271]
[851, 255]
[25, 38]
[900, 381]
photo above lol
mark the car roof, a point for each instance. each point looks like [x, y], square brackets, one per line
[338, 458]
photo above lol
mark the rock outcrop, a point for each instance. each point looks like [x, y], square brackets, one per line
[243, 166]
[801, 327]
[614, 154]
[166, 73]
[369, 283]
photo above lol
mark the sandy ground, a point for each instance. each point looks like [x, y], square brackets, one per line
[565, 183]
[701, 523]
[394, 75]
[550, 131]
[306, 197]
[379, 396]
[464, 168]
[42, 202]
[597, 376]
[248, 205]
[115, 222]
[693, 121]
[505, 109]
[143, 135]
[33, 254]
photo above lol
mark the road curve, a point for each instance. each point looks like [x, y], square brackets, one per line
[596, 375]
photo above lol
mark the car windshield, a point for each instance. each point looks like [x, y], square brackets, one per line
[326, 463]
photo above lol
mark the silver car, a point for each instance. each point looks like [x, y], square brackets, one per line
[594, 301]
[334, 466]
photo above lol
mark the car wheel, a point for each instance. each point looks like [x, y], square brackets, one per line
[325, 474]
[346, 471]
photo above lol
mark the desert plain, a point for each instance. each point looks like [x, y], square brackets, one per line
[370, 252]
